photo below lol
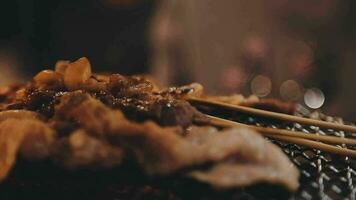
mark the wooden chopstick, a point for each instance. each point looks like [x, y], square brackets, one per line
[275, 115]
[277, 134]
[272, 131]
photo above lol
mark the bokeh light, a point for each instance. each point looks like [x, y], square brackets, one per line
[290, 90]
[261, 86]
[314, 98]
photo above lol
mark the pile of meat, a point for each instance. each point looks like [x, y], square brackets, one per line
[82, 120]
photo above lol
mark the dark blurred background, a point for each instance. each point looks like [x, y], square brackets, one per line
[112, 34]
[302, 51]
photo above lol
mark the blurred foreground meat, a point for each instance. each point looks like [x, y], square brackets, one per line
[31, 137]
[85, 121]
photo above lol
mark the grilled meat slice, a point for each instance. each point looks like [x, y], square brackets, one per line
[32, 138]
[163, 151]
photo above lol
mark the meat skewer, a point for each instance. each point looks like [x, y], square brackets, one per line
[317, 145]
[272, 131]
[287, 136]
[274, 115]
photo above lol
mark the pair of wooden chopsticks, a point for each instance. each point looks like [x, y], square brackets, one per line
[300, 138]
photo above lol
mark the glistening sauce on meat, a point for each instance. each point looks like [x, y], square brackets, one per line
[80, 120]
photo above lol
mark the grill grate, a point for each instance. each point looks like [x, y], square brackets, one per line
[323, 175]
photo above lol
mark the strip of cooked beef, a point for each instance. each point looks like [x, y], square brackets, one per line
[18, 114]
[31, 137]
[134, 95]
[162, 151]
[80, 150]
[164, 110]
[256, 161]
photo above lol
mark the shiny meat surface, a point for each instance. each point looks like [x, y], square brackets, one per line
[78, 121]
[163, 151]
[133, 95]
